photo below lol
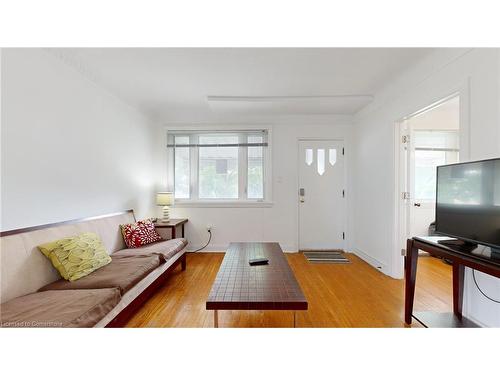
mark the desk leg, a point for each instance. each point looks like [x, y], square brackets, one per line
[458, 288]
[216, 319]
[410, 278]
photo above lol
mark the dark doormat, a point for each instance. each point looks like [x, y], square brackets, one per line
[334, 256]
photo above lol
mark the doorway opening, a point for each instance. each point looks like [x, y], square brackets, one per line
[428, 138]
[431, 138]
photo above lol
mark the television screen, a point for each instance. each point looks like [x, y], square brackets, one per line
[468, 201]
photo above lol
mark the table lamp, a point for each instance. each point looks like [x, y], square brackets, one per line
[165, 199]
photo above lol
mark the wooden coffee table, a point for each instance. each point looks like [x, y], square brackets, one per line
[239, 286]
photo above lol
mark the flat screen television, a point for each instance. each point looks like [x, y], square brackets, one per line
[468, 202]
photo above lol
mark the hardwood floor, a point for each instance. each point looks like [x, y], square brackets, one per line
[339, 295]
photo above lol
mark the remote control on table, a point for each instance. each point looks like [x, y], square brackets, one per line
[258, 261]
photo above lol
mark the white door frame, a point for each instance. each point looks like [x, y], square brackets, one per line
[345, 221]
[400, 207]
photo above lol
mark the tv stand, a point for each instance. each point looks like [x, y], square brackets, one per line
[460, 257]
[458, 242]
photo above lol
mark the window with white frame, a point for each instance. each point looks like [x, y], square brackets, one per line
[218, 165]
[432, 148]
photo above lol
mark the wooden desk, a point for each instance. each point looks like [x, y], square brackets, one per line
[173, 224]
[460, 259]
[239, 286]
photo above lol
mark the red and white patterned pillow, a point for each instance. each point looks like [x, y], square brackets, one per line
[139, 234]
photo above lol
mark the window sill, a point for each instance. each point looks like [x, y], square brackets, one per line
[223, 204]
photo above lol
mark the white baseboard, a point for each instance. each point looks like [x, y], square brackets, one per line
[289, 248]
[218, 248]
[213, 248]
[378, 265]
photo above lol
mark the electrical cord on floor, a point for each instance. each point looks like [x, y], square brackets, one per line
[201, 248]
[478, 288]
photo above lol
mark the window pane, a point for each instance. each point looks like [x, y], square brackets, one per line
[321, 161]
[426, 161]
[332, 156]
[309, 156]
[255, 186]
[181, 177]
[425, 173]
[218, 168]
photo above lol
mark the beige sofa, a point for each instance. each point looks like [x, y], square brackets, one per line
[33, 294]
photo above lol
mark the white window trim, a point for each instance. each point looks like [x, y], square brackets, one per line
[242, 201]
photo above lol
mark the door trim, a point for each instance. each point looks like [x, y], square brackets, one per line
[297, 187]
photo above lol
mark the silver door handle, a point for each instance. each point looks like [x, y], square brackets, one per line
[302, 193]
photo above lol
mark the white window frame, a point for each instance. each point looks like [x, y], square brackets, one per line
[242, 200]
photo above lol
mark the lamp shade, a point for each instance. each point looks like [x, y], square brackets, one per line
[164, 199]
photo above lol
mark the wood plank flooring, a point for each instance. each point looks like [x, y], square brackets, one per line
[339, 295]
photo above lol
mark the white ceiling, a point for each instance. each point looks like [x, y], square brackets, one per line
[175, 84]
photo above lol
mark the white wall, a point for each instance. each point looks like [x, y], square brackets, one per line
[69, 148]
[275, 223]
[446, 116]
[374, 157]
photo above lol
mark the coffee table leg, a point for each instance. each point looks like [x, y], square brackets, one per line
[216, 319]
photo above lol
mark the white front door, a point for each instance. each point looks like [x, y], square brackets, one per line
[321, 195]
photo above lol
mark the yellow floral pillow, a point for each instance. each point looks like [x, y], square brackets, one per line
[76, 257]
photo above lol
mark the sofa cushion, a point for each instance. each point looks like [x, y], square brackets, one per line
[59, 308]
[165, 249]
[122, 273]
[141, 233]
[78, 256]
[24, 269]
